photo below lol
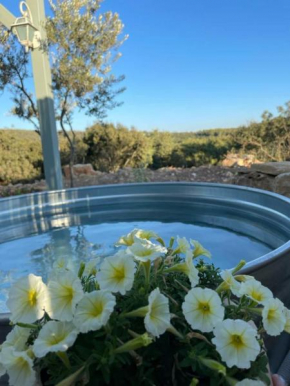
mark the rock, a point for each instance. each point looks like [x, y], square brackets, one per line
[255, 180]
[84, 169]
[236, 160]
[79, 169]
[282, 184]
[272, 168]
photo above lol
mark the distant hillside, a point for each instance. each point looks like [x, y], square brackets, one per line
[109, 148]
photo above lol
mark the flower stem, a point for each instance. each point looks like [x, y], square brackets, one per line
[64, 358]
[27, 325]
[141, 312]
[141, 341]
[147, 268]
[238, 267]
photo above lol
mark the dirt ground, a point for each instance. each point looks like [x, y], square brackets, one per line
[200, 174]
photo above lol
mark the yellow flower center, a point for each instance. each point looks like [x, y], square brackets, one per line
[68, 294]
[204, 307]
[97, 309]
[23, 364]
[237, 341]
[119, 273]
[144, 253]
[32, 297]
[256, 295]
[271, 314]
[55, 339]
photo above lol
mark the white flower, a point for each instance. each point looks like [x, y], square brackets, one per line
[274, 319]
[236, 342]
[94, 310]
[250, 382]
[183, 245]
[117, 273]
[188, 268]
[129, 240]
[17, 339]
[144, 250]
[19, 367]
[54, 337]
[199, 250]
[256, 291]
[157, 318]
[203, 309]
[230, 282]
[65, 291]
[27, 299]
[91, 267]
[63, 264]
[287, 316]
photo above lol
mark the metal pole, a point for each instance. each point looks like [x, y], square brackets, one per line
[45, 104]
[44, 95]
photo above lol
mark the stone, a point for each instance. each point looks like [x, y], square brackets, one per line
[245, 160]
[272, 168]
[282, 184]
[255, 180]
[79, 169]
[84, 169]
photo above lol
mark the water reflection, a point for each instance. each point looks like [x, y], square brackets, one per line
[38, 253]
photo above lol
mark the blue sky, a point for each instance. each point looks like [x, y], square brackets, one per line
[196, 64]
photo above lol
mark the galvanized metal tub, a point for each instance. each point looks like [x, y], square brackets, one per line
[259, 214]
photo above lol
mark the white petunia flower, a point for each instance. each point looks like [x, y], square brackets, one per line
[203, 309]
[274, 318]
[65, 291]
[94, 310]
[27, 299]
[129, 240]
[157, 318]
[144, 250]
[188, 268]
[117, 273]
[54, 337]
[287, 316]
[183, 245]
[250, 382]
[91, 267]
[236, 342]
[199, 250]
[256, 291]
[19, 367]
[17, 339]
[230, 283]
[63, 264]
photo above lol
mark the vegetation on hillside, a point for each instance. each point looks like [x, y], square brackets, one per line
[109, 148]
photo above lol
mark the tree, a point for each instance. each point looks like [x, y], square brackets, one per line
[163, 145]
[83, 45]
[110, 148]
[270, 139]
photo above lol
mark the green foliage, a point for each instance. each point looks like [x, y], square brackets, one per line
[110, 148]
[20, 156]
[163, 146]
[268, 140]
